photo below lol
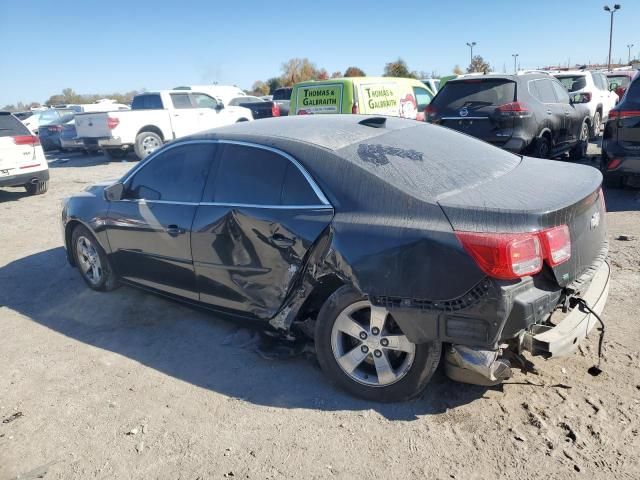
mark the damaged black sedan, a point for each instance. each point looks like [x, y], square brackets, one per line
[384, 240]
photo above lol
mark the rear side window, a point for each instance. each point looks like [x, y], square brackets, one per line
[296, 190]
[248, 175]
[10, 126]
[620, 80]
[475, 92]
[423, 98]
[573, 83]
[181, 100]
[147, 102]
[542, 90]
[176, 175]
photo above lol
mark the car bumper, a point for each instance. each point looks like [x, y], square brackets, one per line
[71, 143]
[565, 337]
[49, 143]
[24, 178]
[115, 142]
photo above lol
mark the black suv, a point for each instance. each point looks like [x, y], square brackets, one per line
[621, 140]
[528, 113]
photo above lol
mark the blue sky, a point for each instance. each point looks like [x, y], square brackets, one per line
[106, 46]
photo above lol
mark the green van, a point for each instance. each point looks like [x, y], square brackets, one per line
[390, 96]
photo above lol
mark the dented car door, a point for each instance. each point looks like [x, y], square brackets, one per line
[259, 216]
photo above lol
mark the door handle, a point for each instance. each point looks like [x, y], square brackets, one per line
[281, 241]
[174, 230]
[549, 112]
[566, 114]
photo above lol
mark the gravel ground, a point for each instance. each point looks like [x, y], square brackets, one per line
[129, 385]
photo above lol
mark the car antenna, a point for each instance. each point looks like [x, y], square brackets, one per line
[375, 122]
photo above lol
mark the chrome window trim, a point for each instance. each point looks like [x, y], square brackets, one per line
[323, 199]
[222, 204]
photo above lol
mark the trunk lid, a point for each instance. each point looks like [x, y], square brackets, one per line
[470, 106]
[536, 195]
[12, 155]
[92, 125]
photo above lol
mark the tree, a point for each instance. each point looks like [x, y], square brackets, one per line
[479, 65]
[398, 68]
[274, 84]
[259, 88]
[322, 74]
[297, 70]
[457, 70]
[354, 72]
[337, 74]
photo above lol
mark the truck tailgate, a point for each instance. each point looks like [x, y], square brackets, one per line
[92, 125]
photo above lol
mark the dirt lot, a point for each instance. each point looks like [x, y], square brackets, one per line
[128, 385]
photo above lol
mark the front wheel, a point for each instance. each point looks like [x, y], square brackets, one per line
[92, 261]
[363, 350]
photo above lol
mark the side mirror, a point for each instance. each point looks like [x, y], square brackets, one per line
[114, 192]
[219, 106]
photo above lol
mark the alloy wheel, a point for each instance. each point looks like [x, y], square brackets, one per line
[89, 260]
[369, 346]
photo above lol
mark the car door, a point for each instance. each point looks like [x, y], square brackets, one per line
[185, 119]
[210, 112]
[260, 214]
[573, 118]
[555, 113]
[149, 229]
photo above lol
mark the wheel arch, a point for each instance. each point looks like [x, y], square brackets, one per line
[68, 232]
[546, 131]
[152, 129]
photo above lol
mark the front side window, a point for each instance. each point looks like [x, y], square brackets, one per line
[254, 176]
[181, 100]
[561, 93]
[177, 174]
[204, 101]
[423, 98]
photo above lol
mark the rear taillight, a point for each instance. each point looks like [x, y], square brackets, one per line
[510, 256]
[26, 140]
[354, 109]
[430, 113]
[112, 122]
[54, 128]
[614, 163]
[275, 110]
[556, 243]
[515, 109]
[622, 114]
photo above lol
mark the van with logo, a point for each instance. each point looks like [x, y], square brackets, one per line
[388, 96]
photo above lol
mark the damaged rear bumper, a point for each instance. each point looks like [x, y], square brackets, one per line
[564, 338]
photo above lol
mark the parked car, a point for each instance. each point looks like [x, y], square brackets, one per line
[621, 140]
[222, 93]
[266, 98]
[22, 161]
[155, 118]
[384, 240]
[397, 97]
[596, 88]
[259, 108]
[282, 96]
[530, 113]
[22, 116]
[620, 80]
[69, 140]
[49, 133]
[44, 117]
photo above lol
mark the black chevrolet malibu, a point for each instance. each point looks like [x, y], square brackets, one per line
[384, 240]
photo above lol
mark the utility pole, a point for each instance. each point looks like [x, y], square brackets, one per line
[471, 45]
[629, 47]
[515, 60]
[611, 11]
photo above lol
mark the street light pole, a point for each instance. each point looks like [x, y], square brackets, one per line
[611, 11]
[515, 59]
[629, 47]
[471, 45]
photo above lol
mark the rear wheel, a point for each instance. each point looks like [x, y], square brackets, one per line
[115, 153]
[146, 144]
[37, 188]
[542, 147]
[363, 350]
[580, 149]
[92, 261]
[595, 127]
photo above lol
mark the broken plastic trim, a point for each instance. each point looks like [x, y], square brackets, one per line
[476, 366]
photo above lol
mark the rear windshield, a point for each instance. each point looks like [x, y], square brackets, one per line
[462, 93]
[147, 102]
[282, 94]
[621, 80]
[10, 126]
[573, 83]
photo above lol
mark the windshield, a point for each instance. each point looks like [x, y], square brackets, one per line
[476, 92]
[573, 83]
[620, 80]
[282, 94]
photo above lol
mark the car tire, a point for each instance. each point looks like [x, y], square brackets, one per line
[383, 374]
[595, 125]
[146, 144]
[579, 151]
[37, 188]
[542, 147]
[115, 153]
[91, 260]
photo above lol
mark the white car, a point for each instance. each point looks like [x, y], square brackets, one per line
[224, 93]
[22, 161]
[154, 119]
[596, 86]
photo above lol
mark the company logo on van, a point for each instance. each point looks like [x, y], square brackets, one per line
[464, 112]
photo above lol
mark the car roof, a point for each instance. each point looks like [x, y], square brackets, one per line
[572, 73]
[498, 76]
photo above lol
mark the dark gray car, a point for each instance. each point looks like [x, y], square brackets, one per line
[382, 239]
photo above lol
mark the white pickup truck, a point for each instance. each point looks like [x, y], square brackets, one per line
[155, 118]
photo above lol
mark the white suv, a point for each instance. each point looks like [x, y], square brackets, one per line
[595, 85]
[22, 161]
